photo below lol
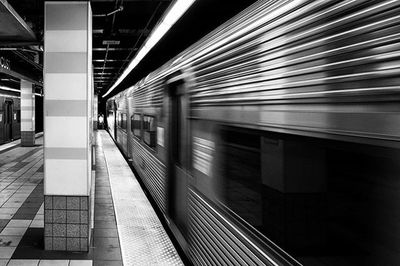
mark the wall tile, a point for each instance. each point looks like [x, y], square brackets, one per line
[59, 243]
[73, 244]
[73, 203]
[84, 244]
[73, 230]
[67, 229]
[84, 217]
[48, 230]
[59, 216]
[48, 216]
[59, 202]
[48, 243]
[84, 230]
[73, 217]
[84, 203]
[48, 202]
[60, 230]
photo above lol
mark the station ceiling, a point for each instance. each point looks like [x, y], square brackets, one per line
[119, 29]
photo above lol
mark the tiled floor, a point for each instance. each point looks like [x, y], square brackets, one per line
[144, 241]
[21, 206]
[15, 143]
[121, 236]
[107, 249]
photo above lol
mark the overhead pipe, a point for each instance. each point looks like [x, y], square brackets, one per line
[119, 9]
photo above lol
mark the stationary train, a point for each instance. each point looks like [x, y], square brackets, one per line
[10, 118]
[274, 140]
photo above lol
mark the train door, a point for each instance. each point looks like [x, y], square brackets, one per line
[178, 151]
[8, 120]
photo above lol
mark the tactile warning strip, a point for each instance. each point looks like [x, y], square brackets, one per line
[142, 236]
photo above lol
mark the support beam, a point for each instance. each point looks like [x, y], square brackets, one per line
[68, 125]
[27, 114]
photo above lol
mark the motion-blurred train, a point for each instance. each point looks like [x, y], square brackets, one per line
[10, 118]
[274, 140]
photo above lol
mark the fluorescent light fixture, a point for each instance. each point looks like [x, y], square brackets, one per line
[172, 15]
[8, 89]
[10, 96]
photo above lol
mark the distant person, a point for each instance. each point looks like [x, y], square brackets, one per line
[101, 121]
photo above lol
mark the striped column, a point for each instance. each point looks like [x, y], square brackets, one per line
[95, 111]
[27, 114]
[67, 125]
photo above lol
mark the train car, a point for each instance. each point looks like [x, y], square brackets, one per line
[111, 117]
[274, 140]
[121, 125]
[10, 118]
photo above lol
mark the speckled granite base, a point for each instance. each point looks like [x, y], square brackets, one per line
[27, 138]
[66, 223]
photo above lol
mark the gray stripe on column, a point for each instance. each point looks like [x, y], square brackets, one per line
[66, 107]
[27, 108]
[66, 62]
[65, 153]
[27, 96]
[26, 120]
[60, 16]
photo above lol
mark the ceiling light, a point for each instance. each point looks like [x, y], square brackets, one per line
[172, 15]
[8, 89]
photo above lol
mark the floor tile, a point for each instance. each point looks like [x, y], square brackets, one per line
[23, 263]
[19, 223]
[54, 263]
[9, 231]
[123, 180]
[107, 242]
[17, 199]
[3, 262]
[80, 263]
[105, 232]
[3, 222]
[104, 224]
[6, 252]
[9, 241]
[107, 263]
[37, 224]
[107, 253]
[12, 204]
[8, 210]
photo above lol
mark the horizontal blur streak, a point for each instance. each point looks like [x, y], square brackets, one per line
[275, 139]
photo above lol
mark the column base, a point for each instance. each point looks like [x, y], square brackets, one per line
[67, 223]
[27, 138]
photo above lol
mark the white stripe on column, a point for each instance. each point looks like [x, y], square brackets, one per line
[66, 177]
[65, 132]
[68, 86]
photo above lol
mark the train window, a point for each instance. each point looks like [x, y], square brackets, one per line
[319, 201]
[242, 171]
[136, 120]
[123, 121]
[149, 130]
[118, 119]
[18, 116]
[1, 117]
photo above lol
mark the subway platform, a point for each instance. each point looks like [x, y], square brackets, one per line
[125, 228]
